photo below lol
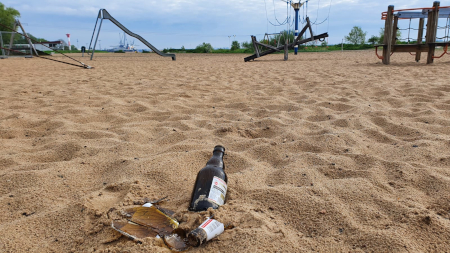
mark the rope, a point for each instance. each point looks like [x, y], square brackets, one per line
[279, 24]
[275, 14]
[328, 17]
[84, 65]
[267, 16]
[317, 15]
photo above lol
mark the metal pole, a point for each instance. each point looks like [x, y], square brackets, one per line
[296, 29]
[99, 28]
[12, 36]
[95, 27]
[1, 44]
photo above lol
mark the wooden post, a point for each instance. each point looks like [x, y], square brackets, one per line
[432, 23]
[255, 46]
[419, 38]
[387, 48]
[310, 27]
[286, 50]
[394, 32]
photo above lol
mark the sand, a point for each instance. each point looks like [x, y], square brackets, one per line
[327, 152]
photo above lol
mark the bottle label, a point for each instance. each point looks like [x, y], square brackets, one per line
[212, 228]
[218, 191]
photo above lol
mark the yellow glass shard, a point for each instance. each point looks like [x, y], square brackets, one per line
[132, 230]
[156, 220]
[145, 222]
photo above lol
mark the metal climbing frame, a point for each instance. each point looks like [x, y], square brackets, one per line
[103, 14]
[6, 54]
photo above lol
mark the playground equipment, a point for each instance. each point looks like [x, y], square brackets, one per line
[7, 53]
[262, 49]
[32, 48]
[431, 41]
[297, 41]
[103, 14]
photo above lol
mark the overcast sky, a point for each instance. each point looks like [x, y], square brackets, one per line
[188, 23]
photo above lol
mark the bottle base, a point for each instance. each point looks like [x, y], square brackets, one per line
[203, 205]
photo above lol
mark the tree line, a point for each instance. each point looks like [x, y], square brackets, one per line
[355, 40]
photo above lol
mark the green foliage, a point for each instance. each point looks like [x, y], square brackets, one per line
[182, 48]
[381, 38]
[247, 45]
[18, 39]
[7, 18]
[204, 48]
[356, 36]
[374, 39]
[235, 45]
[289, 35]
[280, 38]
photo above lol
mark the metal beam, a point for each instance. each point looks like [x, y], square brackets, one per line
[409, 14]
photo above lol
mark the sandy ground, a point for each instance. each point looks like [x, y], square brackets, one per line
[326, 152]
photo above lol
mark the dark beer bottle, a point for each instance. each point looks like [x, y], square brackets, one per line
[210, 186]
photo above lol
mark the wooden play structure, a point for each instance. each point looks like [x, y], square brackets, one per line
[431, 41]
[271, 49]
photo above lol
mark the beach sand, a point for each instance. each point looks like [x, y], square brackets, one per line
[326, 152]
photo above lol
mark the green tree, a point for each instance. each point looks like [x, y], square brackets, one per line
[18, 39]
[204, 48]
[235, 45]
[7, 18]
[374, 39]
[356, 36]
[381, 40]
[247, 45]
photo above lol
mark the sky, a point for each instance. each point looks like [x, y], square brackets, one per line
[188, 23]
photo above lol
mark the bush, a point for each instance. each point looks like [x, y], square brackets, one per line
[235, 45]
[204, 48]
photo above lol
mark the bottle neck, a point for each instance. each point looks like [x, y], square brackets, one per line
[216, 159]
[218, 153]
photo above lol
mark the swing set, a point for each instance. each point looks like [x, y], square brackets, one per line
[431, 41]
